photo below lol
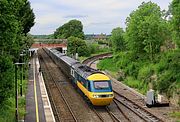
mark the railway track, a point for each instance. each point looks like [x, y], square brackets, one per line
[59, 101]
[138, 110]
[105, 115]
[54, 108]
[92, 59]
[102, 114]
[53, 84]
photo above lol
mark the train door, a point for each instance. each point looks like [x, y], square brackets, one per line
[74, 75]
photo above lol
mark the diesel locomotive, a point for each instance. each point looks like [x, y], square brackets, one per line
[95, 85]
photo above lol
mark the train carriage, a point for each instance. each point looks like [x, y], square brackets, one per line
[95, 85]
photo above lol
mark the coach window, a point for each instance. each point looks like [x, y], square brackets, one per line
[72, 72]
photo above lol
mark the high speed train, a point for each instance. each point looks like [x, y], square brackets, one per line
[95, 85]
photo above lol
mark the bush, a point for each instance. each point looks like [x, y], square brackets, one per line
[107, 64]
[93, 47]
[164, 81]
[7, 77]
[139, 85]
[145, 73]
[7, 110]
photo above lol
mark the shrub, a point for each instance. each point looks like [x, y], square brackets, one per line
[139, 85]
[145, 73]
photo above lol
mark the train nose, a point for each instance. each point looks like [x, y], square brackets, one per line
[102, 99]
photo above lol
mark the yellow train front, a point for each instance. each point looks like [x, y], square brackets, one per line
[97, 88]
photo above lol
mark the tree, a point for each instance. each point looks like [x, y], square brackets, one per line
[26, 16]
[175, 6]
[12, 41]
[145, 30]
[77, 45]
[117, 38]
[72, 28]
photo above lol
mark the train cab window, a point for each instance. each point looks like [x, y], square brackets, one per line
[101, 84]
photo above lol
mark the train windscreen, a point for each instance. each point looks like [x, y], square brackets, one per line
[101, 84]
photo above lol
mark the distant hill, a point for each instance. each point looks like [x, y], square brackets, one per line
[96, 36]
[51, 36]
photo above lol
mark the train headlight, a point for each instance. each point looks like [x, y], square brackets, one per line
[95, 96]
[110, 95]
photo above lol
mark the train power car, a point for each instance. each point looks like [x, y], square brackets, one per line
[95, 85]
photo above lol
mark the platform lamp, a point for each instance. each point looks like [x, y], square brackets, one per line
[22, 62]
[16, 89]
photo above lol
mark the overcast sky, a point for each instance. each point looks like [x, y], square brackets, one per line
[97, 16]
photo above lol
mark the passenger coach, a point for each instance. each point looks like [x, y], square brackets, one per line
[95, 85]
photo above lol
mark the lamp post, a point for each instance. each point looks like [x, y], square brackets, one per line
[16, 90]
[22, 55]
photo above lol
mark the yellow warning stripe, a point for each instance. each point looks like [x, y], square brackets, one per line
[35, 95]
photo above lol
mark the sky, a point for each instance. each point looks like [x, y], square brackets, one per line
[97, 16]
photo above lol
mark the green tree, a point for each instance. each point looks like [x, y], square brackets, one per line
[77, 45]
[117, 38]
[145, 30]
[175, 6]
[72, 28]
[12, 42]
[26, 16]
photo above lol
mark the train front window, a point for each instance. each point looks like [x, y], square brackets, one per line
[101, 84]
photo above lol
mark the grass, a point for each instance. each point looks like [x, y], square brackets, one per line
[136, 84]
[22, 99]
[176, 115]
[7, 109]
[109, 65]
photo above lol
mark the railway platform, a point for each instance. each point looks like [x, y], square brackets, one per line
[38, 107]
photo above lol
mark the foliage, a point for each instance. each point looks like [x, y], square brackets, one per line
[102, 42]
[6, 76]
[93, 47]
[77, 45]
[26, 16]
[117, 38]
[145, 30]
[107, 64]
[175, 114]
[16, 19]
[140, 86]
[7, 110]
[145, 73]
[72, 28]
[150, 57]
[169, 72]
[175, 6]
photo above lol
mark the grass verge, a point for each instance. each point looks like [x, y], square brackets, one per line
[176, 115]
[7, 109]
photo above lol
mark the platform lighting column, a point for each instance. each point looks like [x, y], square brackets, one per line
[16, 93]
[22, 55]
[16, 90]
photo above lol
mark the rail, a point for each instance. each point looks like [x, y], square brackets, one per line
[60, 91]
[96, 57]
[138, 110]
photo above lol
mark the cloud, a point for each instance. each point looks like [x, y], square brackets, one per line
[75, 16]
[96, 15]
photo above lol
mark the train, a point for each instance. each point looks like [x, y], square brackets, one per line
[95, 85]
